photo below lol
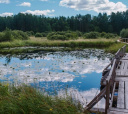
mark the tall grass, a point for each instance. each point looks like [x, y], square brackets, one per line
[110, 45]
[115, 47]
[27, 100]
[89, 44]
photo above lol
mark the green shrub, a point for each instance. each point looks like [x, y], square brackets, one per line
[38, 35]
[1, 36]
[92, 35]
[59, 37]
[6, 35]
[79, 33]
[17, 34]
[124, 33]
[61, 33]
[110, 35]
[30, 33]
[71, 35]
[9, 35]
[103, 34]
[44, 34]
[68, 35]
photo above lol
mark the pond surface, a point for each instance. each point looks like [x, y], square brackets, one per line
[76, 72]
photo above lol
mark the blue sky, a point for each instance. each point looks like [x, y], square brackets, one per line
[61, 7]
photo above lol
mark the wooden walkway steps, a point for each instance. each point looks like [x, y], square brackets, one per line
[114, 85]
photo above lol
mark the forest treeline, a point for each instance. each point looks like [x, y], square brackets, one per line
[113, 23]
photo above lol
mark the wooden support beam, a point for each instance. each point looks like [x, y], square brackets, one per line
[107, 96]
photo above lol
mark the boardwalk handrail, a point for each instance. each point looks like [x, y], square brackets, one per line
[107, 66]
[124, 39]
[109, 81]
[96, 99]
[124, 49]
[106, 90]
[120, 53]
[112, 70]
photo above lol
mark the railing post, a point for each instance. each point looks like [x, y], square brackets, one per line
[125, 49]
[107, 96]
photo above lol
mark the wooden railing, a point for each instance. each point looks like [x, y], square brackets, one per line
[120, 53]
[96, 99]
[124, 40]
[112, 74]
[109, 81]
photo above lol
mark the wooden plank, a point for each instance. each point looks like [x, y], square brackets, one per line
[112, 94]
[97, 110]
[126, 95]
[121, 79]
[122, 65]
[123, 71]
[126, 68]
[118, 72]
[120, 99]
[125, 57]
[117, 111]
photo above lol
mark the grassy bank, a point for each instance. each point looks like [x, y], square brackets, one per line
[27, 100]
[115, 47]
[110, 45]
[48, 43]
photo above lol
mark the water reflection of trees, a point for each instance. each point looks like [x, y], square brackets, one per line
[8, 59]
[86, 53]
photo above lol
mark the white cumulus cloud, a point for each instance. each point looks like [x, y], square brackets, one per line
[103, 6]
[6, 14]
[27, 4]
[40, 12]
[4, 1]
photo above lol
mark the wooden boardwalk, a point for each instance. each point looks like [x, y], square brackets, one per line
[114, 85]
[120, 91]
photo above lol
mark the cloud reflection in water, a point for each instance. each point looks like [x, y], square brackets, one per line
[74, 68]
[83, 96]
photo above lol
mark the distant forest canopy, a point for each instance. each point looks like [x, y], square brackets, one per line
[113, 23]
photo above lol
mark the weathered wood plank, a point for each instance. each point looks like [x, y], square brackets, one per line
[112, 94]
[125, 57]
[97, 110]
[120, 99]
[117, 111]
[118, 72]
[126, 95]
[117, 79]
[123, 71]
